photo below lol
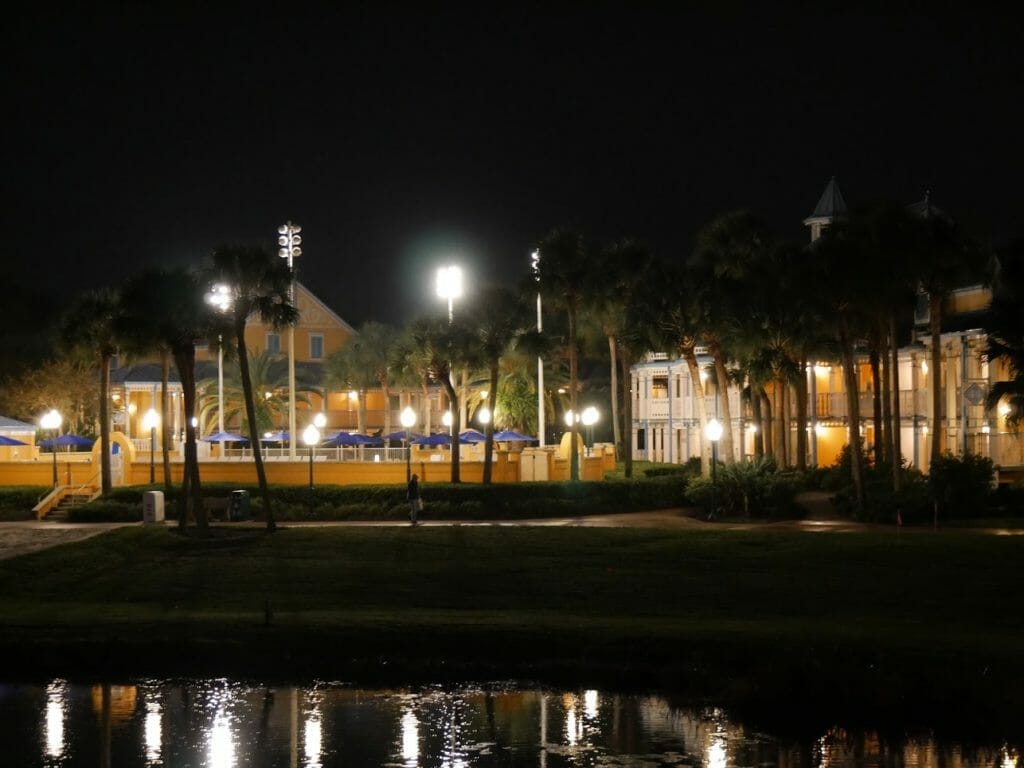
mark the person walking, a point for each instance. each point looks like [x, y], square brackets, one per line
[412, 495]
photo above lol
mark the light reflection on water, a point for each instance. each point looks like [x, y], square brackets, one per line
[222, 724]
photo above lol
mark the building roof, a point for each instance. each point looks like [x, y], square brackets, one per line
[13, 425]
[831, 205]
[147, 375]
[927, 210]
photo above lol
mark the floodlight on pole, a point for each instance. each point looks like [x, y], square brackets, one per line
[408, 420]
[535, 263]
[449, 286]
[52, 420]
[221, 297]
[151, 421]
[289, 239]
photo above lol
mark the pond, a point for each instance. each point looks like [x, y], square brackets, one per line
[222, 724]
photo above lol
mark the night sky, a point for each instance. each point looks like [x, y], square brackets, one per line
[404, 139]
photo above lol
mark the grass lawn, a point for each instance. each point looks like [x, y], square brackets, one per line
[745, 614]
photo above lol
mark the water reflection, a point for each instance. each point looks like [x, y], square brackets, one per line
[222, 724]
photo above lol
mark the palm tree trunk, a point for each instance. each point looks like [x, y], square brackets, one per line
[779, 423]
[935, 322]
[768, 420]
[886, 442]
[755, 417]
[852, 414]
[801, 415]
[254, 432]
[361, 413]
[700, 398]
[897, 420]
[453, 399]
[165, 409]
[627, 415]
[492, 399]
[106, 483]
[574, 453]
[874, 360]
[614, 373]
[724, 408]
[191, 488]
[387, 406]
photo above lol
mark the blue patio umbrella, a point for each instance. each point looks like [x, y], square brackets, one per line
[5, 440]
[402, 434]
[472, 436]
[275, 437]
[347, 439]
[438, 439]
[66, 440]
[508, 435]
[225, 437]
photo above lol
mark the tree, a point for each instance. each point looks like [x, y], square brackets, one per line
[366, 361]
[1006, 332]
[441, 347]
[496, 318]
[260, 285]
[89, 327]
[175, 302]
[563, 269]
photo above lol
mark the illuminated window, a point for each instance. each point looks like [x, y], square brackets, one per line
[274, 343]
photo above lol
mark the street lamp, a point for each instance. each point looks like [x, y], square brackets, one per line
[713, 432]
[150, 421]
[535, 262]
[52, 420]
[289, 239]
[220, 297]
[311, 437]
[589, 418]
[408, 419]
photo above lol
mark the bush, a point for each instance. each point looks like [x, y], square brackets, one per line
[16, 502]
[961, 485]
[746, 489]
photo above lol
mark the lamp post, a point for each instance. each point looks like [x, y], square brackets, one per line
[449, 286]
[150, 421]
[713, 432]
[221, 298]
[589, 418]
[535, 261]
[289, 239]
[311, 437]
[408, 419]
[52, 420]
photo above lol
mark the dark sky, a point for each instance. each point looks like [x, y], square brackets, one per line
[402, 138]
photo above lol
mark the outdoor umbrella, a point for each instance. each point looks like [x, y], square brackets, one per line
[5, 440]
[225, 437]
[71, 440]
[402, 435]
[439, 439]
[472, 436]
[508, 435]
[346, 439]
[275, 437]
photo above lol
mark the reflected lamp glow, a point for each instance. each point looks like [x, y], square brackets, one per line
[410, 738]
[221, 743]
[56, 700]
[313, 740]
[153, 732]
[590, 701]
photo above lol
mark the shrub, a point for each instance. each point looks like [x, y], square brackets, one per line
[16, 502]
[747, 488]
[961, 485]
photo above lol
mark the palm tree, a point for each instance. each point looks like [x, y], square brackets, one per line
[619, 273]
[260, 285]
[269, 376]
[1006, 332]
[441, 347]
[496, 318]
[90, 327]
[563, 269]
[365, 362]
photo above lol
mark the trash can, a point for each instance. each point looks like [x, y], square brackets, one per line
[238, 507]
[153, 506]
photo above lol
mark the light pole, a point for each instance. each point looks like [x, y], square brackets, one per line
[289, 239]
[311, 437]
[408, 419]
[221, 298]
[52, 420]
[535, 261]
[589, 419]
[713, 432]
[449, 286]
[150, 421]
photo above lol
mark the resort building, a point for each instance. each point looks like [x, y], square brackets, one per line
[666, 426]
